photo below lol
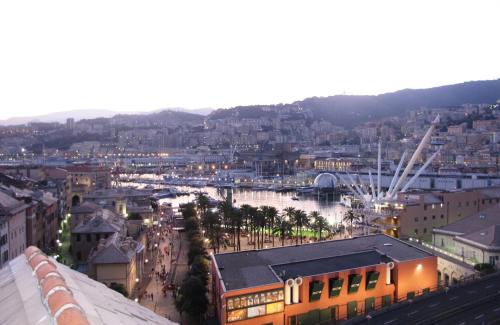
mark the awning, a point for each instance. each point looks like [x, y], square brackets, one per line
[354, 281]
[336, 286]
[371, 279]
[315, 290]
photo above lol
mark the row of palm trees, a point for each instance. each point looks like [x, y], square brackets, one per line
[225, 224]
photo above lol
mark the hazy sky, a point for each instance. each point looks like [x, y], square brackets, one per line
[146, 55]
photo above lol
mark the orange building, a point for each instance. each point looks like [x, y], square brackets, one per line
[319, 282]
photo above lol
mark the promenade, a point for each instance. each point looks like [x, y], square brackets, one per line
[170, 269]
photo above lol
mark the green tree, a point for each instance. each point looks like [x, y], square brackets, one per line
[288, 213]
[350, 217]
[192, 298]
[213, 224]
[319, 224]
[199, 268]
[202, 203]
[282, 228]
[300, 220]
[118, 287]
[134, 216]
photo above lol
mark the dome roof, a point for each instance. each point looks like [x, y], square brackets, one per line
[325, 180]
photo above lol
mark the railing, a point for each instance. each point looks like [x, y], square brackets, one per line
[400, 301]
[448, 253]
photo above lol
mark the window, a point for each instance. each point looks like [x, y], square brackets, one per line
[371, 279]
[416, 231]
[425, 218]
[442, 216]
[416, 219]
[88, 238]
[354, 281]
[335, 287]
[386, 300]
[467, 203]
[433, 217]
[97, 237]
[315, 290]
[425, 207]
[78, 237]
[442, 242]
[425, 230]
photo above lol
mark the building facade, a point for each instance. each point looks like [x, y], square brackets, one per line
[320, 282]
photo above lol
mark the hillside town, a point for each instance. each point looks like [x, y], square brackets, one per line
[162, 211]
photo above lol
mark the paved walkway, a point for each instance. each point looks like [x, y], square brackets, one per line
[160, 304]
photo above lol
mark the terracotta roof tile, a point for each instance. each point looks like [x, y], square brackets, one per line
[30, 250]
[71, 316]
[45, 269]
[60, 301]
[51, 283]
[36, 260]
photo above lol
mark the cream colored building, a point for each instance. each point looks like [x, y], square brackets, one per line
[475, 239]
[118, 260]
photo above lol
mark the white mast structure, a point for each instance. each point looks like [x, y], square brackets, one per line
[397, 182]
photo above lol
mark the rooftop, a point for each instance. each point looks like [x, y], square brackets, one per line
[254, 268]
[489, 236]
[35, 289]
[329, 264]
[476, 222]
[104, 221]
[115, 250]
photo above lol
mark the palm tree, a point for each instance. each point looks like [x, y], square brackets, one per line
[350, 217]
[319, 224]
[245, 210]
[283, 228]
[202, 203]
[237, 222]
[300, 220]
[254, 223]
[226, 209]
[288, 213]
[213, 223]
[270, 214]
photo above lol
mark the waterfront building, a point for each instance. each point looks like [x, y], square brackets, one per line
[38, 290]
[319, 282]
[414, 214]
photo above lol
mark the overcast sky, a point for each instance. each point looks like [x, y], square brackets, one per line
[146, 55]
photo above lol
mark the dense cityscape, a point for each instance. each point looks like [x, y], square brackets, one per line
[161, 207]
[247, 163]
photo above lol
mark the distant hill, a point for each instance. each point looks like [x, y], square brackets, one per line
[352, 110]
[168, 117]
[60, 116]
[200, 111]
[87, 114]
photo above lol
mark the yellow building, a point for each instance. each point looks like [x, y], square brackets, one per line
[117, 260]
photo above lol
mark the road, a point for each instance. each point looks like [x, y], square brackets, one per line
[474, 303]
